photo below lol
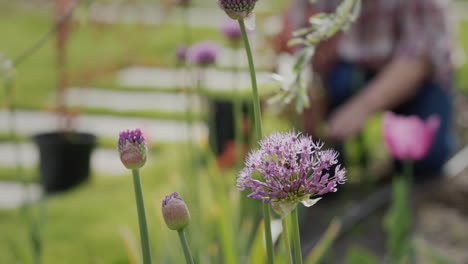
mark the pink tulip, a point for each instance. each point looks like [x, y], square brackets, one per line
[409, 137]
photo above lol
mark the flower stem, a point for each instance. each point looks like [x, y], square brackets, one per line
[185, 246]
[287, 242]
[253, 78]
[259, 134]
[408, 170]
[296, 237]
[145, 245]
[268, 237]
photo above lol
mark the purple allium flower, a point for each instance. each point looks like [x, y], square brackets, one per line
[203, 53]
[231, 30]
[237, 9]
[175, 212]
[292, 169]
[181, 53]
[132, 148]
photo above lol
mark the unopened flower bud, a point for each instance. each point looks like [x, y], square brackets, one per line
[204, 53]
[132, 149]
[175, 212]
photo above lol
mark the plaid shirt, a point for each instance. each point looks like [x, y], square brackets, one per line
[418, 29]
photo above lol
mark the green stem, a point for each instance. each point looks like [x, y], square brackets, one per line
[185, 246]
[253, 78]
[259, 134]
[268, 237]
[296, 237]
[145, 244]
[408, 170]
[408, 177]
[287, 242]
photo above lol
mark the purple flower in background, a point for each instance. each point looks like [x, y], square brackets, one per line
[231, 30]
[409, 137]
[132, 148]
[181, 53]
[237, 9]
[175, 212]
[203, 53]
[292, 169]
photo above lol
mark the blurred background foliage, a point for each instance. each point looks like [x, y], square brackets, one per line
[90, 224]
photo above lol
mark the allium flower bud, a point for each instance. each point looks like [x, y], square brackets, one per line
[203, 53]
[175, 212]
[132, 149]
[231, 30]
[237, 9]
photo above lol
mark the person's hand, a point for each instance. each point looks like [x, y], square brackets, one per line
[348, 120]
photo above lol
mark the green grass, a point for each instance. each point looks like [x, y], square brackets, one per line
[84, 225]
[143, 114]
[90, 217]
[93, 51]
[243, 93]
[11, 174]
[103, 142]
[462, 74]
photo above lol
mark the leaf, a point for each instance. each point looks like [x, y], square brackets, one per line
[303, 57]
[360, 256]
[277, 77]
[295, 42]
[277, 99]
[325, 243]
[301, 32]
[322, 26]
[258, 250]
[397, 222]
[226, 230]
[131, 246]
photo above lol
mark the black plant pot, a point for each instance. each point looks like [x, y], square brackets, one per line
[64, 159]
